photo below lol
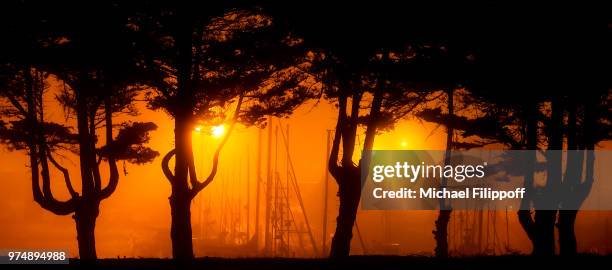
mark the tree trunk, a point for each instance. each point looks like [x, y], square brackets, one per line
[348, 176]
[180, 200]
[441, 230]
[531, 131]
[567, 218]
[567, 235]
[88, 208]
[85, 219]
[349, 194]
[441, 233]
[544, 244]
[183, 105]
[545, 219]
[180, 231]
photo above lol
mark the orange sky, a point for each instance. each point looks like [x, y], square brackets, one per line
[135, 220]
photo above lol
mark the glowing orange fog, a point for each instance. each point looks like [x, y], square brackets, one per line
[135, 221]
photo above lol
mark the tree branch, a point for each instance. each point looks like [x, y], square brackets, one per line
[372, 125]
[201, 185]
[66, 174]
[37, 147]
[166, 167]
[112, 164]
[17, 105]
[48, 201]
[95, 169]
[193, 177]
[334, 169]
[350, 131]
[373, 120]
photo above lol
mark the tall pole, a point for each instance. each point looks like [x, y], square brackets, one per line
[480, 220]
[248, 197]
[269, 180]
[325, 196]
[257, 192]
[201, 196]
[275, 222]
[286, 197]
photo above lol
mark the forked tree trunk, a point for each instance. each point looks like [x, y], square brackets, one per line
[86, 213]
[348, 176]
[84, 207]
[574, 172]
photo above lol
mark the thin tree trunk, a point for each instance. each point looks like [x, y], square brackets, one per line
[524, 214]
[567, 218]
[441, 231]
[545, 218]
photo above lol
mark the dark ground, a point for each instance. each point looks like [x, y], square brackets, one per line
[581, 262]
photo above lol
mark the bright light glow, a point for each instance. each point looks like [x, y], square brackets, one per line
[217, 131]
[404, 143]
[198, 129]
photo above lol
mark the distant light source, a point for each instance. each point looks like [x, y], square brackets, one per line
[404, 143]
[217, 131]
[198, 129]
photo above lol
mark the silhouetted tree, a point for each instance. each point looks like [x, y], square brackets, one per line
[215, 59]
[375, 64]
[525, 109]
[97, 86]
[444, 214]
[444, 69]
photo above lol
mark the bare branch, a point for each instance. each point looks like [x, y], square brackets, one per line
[166, 167]
[92, 159]
[47, 201]
[334, 169]
[16, 104]
[112, 164]
[66, 174]
[193, 177]
[373, 120]
[349, 131]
